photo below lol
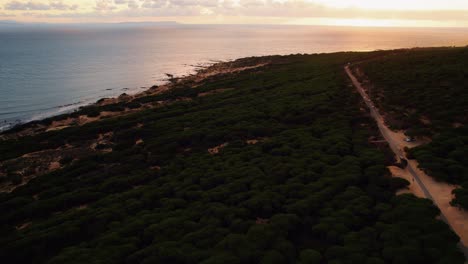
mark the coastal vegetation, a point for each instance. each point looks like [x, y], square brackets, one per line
[424, 92]
[446, 159]
[277, 168]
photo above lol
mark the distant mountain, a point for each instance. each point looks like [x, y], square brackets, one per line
[130, 24]
[169, 23]
[9, 23]
[13, 23]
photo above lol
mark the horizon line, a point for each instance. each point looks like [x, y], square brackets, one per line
[168, 22]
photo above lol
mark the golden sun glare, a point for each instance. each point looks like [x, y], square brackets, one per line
[394, 4]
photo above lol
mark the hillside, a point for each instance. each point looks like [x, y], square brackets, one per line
[425, 93]
[270, 163]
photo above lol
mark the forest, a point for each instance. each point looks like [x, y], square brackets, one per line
[446, 159]
[423, 89]
[426, 91]
[277, 169]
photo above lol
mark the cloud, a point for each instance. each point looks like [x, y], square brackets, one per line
[34, 6]
[2, 14]
[258, 9]
[277, 8]
[202, 4]
[16, 5]
[105, 5]
[59, 5]
[131, 4]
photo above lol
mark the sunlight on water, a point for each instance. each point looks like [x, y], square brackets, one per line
[46, 72]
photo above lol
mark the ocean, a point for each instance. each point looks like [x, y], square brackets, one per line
[46, 71]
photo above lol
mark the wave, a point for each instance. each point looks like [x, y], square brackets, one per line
[42, 113]
[39, 109]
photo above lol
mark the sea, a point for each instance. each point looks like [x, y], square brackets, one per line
[47, 70]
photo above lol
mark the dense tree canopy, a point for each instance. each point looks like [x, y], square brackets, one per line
[446, 159]
[423, 90]
[310, 190]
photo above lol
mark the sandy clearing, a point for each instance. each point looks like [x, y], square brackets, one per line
[442, 195]
[221, 69]
[38, 153]
[252, 141]
[156, 168]
[54, 165]
[413, 188]
[255, 141]
[56, 128]
[217, 149]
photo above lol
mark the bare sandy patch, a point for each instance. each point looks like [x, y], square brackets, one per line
[54, 165]
[83, 119]
[107, 101]
[158, 89]
[413, 188]
[261, 221]
[56, 128]
[103, 139]
[223, 68]
[107, 114]
[442, 192]
[217, 149]
[399, 138]
[23, 226]
[82, 207]
[252, 141]
[255, 141]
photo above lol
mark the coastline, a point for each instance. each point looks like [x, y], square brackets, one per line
[296, 117]
[68, 108]
[176, 89]
[73, 117]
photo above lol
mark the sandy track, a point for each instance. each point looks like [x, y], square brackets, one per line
[440, 193]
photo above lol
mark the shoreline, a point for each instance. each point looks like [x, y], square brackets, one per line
[73, 117]
[69, 108]
[176, 89]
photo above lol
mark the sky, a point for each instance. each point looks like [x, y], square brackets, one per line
[405, 13]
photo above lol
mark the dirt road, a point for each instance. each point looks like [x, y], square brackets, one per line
[439, 193]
